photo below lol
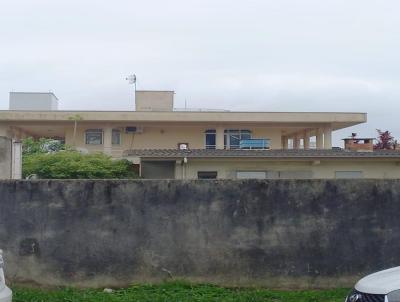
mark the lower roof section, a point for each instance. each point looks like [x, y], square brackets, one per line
[238, 153]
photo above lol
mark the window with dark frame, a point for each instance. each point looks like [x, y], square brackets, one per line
[348, 174]
[232, 137]
[207, 174]
[116, 137]
[94, 137]
[211, 138]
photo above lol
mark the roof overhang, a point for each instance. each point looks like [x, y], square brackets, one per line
[336, 120]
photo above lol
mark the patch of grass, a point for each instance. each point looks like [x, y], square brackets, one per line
[176, 291]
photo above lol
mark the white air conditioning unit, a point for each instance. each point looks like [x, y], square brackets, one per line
[134, 129]
[183, 146]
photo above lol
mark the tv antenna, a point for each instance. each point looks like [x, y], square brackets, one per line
[132, 81]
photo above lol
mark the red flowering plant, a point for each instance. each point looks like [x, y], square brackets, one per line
[385, 141]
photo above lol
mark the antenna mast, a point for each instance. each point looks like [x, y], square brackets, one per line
[132, 81]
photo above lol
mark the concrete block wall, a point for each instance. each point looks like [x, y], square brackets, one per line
[5, 158]
[273, 233]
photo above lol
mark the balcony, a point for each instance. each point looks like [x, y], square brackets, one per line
[255, 143]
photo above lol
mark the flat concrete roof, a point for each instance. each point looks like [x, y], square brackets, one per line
[37, 92]
[337, 120]
[140, 90]
[357, 138]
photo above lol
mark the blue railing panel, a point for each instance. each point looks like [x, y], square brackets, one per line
[255, 143]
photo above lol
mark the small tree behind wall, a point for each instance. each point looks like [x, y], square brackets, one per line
[75, 118]
[385, 141]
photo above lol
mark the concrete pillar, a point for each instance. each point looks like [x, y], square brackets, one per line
[107, 140]
[137, 161]
[16, 164]
[296, 142]
[306, 140]
[319, 139]
[5, 158]
[284, 142]
[179, 169]
[220, 138]
[328, 138]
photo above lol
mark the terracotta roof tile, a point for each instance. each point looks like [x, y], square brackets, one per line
[217, 153]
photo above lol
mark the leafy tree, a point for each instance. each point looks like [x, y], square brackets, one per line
[385, 140]
[74, 165]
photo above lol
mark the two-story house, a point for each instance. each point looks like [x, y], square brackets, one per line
[199, 144]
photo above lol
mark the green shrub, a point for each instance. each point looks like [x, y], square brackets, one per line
[42, 145]
[73, 165]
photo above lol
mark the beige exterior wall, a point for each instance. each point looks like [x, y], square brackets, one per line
[324, 169]
[165, 129]
[274, 134]
[158, 136]
[13, 132]
[154, 100]
[5, 131]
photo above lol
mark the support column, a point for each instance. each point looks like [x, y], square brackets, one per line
[16, 160]
[284, 142]
[178, 169]
[306, 140]
[220, 138]
[107, 140]
[328, 138]
[296, 142]
[319, 138]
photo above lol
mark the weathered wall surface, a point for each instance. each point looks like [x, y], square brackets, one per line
[5, 158]
[304, 233]
[375, 169]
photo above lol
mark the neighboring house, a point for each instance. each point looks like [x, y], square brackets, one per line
[185, 144]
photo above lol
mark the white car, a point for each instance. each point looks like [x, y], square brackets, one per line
[5, 292]
[383, 286]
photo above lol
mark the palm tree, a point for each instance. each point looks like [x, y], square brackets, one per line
[75, 118]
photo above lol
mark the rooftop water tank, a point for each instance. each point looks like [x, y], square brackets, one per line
[33, 101]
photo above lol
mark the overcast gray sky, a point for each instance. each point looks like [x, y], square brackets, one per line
[270, 55]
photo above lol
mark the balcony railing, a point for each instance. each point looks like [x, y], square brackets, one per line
[255, 143]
